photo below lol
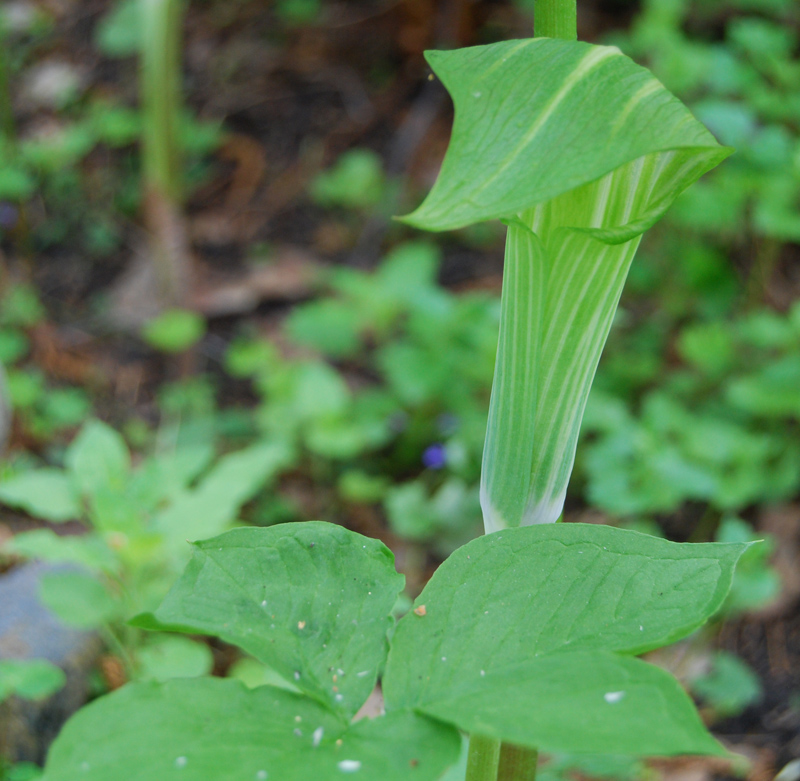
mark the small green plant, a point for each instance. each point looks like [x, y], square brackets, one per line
[729, 686]
[409, 436]
[525, 638]
[720, 429]
[355, 181]
[136, 522]
[30, 679]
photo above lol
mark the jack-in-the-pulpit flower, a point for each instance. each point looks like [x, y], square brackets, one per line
[579, 151]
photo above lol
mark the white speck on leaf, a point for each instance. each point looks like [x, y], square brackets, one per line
[349, 765]
[317, 736]
[612, 697]
[476, 94]
[298, 733]
[181, 762]
[85, 766]
[261, 775]
[264, 603]
[483, 672]
[362, 673]
[338, 698]
[641, 628]
[296, 675]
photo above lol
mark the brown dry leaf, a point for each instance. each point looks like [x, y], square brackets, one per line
[113, 671]
[62, 358]
[290, 276]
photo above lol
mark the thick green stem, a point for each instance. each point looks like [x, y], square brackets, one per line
[517, 763]
[483, 759]
[555, 19]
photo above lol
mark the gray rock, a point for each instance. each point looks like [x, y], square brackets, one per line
[28, 630]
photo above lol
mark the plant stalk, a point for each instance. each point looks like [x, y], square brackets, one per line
[556, 19]
[489, 760]
[160, 78]
[483, 759]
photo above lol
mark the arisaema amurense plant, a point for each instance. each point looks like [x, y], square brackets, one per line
[526, 638]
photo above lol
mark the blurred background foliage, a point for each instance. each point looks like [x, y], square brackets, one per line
[197, 248]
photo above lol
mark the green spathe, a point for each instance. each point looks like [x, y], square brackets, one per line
[579, 150]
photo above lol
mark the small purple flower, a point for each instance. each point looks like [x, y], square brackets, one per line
[435, 456]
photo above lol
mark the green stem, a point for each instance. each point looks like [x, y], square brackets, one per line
[488, 759]
[517, 763]
[556, 19]
[483, 759]
[163, 191]
[161, 95]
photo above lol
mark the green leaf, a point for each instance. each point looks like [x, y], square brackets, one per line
[217, 729]
[86, 550]
[215, 503]
[355, 181]
[515, 602]
[79, 600]
[118, 33]
[13, 346]
[332, 327]
[730, 686]
[98, 459]
[170, 656]
[31, 679]
[42, 493]
[579, 150]
[175, 330]
[312, 600]
[576, 702]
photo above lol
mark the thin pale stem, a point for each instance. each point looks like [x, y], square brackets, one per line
[483, 759]
[517, 763]
[556, 19]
